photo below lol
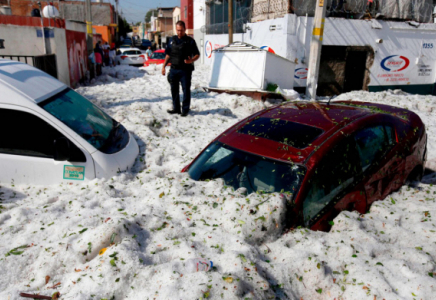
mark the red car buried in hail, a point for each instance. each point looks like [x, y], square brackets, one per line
[157, 58]
[323, 158]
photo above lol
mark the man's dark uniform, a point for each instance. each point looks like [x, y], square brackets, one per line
[179, 50]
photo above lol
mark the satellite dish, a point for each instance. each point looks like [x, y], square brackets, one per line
[50, 12]
[203, 29]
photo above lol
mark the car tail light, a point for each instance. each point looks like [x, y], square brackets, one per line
[124, 56]
[143, 56]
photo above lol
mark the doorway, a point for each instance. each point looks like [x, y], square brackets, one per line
[355, 67]
[344, 69]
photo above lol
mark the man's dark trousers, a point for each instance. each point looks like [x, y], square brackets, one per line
[175, 77]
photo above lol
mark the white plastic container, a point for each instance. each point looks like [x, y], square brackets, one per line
[241, 66]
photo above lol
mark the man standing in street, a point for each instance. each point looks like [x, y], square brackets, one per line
[182, 52]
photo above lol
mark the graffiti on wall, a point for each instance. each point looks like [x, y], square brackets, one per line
[77, 56]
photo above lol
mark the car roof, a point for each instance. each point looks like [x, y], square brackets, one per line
[129, 49]
[159, 51]
[319, 120]
[22, 84]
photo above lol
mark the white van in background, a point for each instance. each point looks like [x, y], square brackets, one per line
[51, 134]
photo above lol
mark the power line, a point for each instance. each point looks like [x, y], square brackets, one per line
[146, 7]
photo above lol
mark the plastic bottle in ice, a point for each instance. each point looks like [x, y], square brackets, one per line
[193, 265]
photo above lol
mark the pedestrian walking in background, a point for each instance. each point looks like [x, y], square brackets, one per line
[98, 59]
[149, 53]
[106, 50]
[112, 55]
[183, 52]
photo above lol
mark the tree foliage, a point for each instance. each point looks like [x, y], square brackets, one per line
[149, 14]
[124, 26]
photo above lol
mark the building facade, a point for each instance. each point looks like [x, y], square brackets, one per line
[365, 45]
[103, 14]
[187, 15]
[176, 18]
[65, 41]
[164, 25]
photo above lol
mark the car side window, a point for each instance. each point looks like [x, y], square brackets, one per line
[27, 135]
[336, 171]
[373, 142]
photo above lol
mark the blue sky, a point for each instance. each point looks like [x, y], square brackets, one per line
[135, 10]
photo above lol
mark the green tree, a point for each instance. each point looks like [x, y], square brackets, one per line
[124, 26]
[149, 14]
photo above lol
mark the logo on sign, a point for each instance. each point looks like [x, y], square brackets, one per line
[74, 172]
[269, 49]
[301, 73]
[208, 49]
[395, 63]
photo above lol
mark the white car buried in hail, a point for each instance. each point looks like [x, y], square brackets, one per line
[130, 56]
[51, 134]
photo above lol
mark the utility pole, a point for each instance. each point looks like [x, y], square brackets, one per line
[230, 21]
[42, 27]
[315, 49]
[49, 13]
[117, 33]
[88, 16]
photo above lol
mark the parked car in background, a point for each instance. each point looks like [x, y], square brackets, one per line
[321, 158]
[51, 134]
[130, 56]
[128, 41]
[123, 47]
[157, 58]
[145, 44]
[136, 40]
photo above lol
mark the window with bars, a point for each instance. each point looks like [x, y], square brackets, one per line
[217, 17]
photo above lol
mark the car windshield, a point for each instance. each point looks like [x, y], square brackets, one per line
[240, 169]
[158, 55]
[87, 120]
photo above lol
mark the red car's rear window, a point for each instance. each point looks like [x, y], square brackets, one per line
[158, 55]
[290, 133]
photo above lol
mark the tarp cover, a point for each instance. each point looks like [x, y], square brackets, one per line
[301, 7]
[417, 10]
